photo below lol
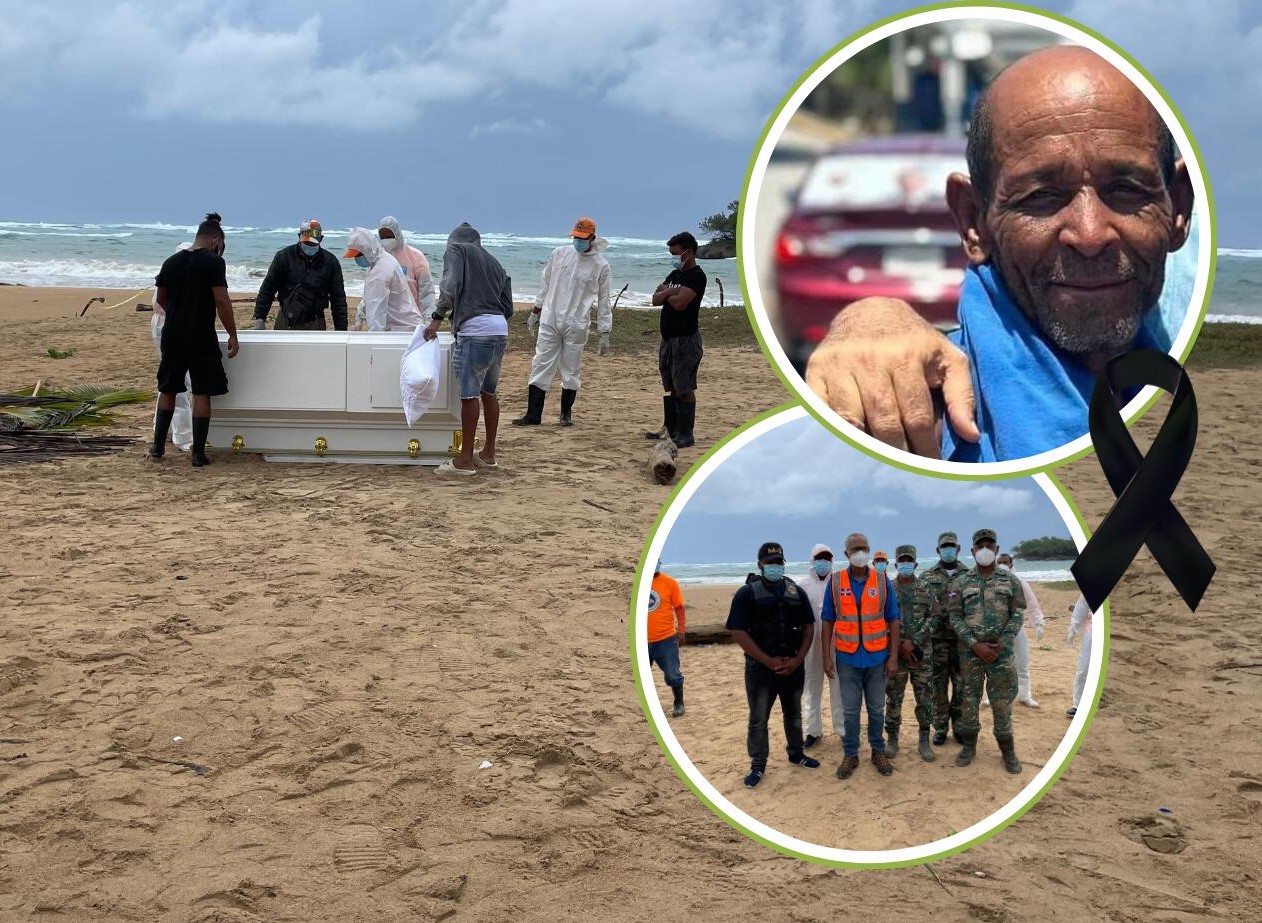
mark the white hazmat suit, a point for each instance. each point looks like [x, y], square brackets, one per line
[1033, 616]
[571, 281]
[387, 303]
[812, 695]
[415, 266]
[1080, 623]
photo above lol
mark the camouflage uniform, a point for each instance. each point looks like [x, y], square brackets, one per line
[987, 607]
[913, 603]
[938, 586]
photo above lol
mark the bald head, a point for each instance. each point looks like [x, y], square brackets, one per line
[1055, 85]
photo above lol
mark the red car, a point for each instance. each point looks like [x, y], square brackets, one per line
[870, 219]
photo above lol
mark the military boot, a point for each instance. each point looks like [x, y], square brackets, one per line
[534, 407]
[1008, 747]
[686, 416]
[926, 751]
[969, 740]
[939, 738]
[670, 419]
[678, 710]
[567, 405]
[891, 743]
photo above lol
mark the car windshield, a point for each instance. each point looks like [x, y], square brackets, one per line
[877, 181]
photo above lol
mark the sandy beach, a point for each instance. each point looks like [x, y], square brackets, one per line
[340, 649]
[920, 803]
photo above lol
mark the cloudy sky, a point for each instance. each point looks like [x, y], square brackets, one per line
[515, 114]
[799, 485]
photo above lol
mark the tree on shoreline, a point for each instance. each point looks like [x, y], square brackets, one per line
[722, 225]
[1046, 548]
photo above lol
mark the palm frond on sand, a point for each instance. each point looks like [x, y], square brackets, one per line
[38, 427]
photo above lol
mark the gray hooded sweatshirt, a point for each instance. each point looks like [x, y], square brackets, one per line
[473, 282]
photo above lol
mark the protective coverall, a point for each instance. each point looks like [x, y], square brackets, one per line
[812, 695]
[387, 303]
[414, 264]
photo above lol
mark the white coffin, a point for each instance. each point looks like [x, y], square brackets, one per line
[329, 396]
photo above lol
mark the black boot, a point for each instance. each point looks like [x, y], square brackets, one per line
[687, 416]
[939, 738]
[567, 405]
[969, 750]
[201, 429]
[926, 751]
[670, 419]
[161, 424]
[891, 743]
[678, 710]
[1008, 747]
[533, 416]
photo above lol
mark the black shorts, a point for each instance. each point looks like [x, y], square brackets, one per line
[204, 366]
[678, 359]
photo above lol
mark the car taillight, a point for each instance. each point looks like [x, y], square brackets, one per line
[815, 334]
[789, 248]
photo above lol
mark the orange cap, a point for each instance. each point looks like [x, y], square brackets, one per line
[880, 556]
[350, 253]
[584, 227]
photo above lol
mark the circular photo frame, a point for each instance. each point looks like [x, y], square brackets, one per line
[762, 203]
[758, 829]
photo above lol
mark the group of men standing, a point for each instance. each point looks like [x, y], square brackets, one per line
[950, 632]
[399, 294]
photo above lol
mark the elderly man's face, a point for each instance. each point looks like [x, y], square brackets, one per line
[1080, 219]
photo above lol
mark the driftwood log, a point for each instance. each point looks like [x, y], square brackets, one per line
[662, 461]
[715, 633]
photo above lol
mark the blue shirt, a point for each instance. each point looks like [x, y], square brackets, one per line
[861, 657]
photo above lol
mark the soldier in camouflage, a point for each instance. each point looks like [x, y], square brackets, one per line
[986, 610]
[937, 582]
[914, 662]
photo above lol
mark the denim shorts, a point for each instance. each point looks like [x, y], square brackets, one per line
[477, 361]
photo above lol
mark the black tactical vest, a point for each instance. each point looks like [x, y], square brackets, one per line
[775, 626]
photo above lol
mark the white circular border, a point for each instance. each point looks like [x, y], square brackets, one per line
[749, 265]
[924, 852]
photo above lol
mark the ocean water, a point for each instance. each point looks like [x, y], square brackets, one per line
[734, 573]
[1237, 293]
[127, 256]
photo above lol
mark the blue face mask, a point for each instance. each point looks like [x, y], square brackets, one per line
[310, 249]
[362, 261]
[823, 568]
[947, 554]
[880, 566]
[773, 572]
[581, 245]
[677, 262]
[906, 568]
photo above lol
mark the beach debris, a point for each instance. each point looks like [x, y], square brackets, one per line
[54, 353]
[486, 764]
[38, 424]
[598, 506]
[619, 295]
[662, 461]
[177, 739]
[97, 300]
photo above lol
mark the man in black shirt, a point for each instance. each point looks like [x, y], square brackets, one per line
[772, 620]
[679, 356]
[193, 287]
[308, 279]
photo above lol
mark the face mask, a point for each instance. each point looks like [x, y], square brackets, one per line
[581, 245]
[677, 262]
[773, 572]
[880, 566]
[823, 568]
[362, 261]
[311, 249]
[906, 569]
[984, 556]
[859, 559]
[947, 555]
[1004, 569]
[390, 244]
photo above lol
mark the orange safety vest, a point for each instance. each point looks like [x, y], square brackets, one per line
[865, 620]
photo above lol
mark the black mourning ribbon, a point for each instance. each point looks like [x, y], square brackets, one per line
[1143, 484]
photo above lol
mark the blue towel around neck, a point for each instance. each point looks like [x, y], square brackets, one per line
[1031, 397]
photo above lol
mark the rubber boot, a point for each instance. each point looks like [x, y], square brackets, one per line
[678, 710]
[926, 751]
[1008, 747]
[533, 416]
[670, 419]
[891, 743]
[567, 405]
[201, 429]
[687, 416]
[161, 425]
[969, 741]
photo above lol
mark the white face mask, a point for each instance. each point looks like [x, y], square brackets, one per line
[859, 559]
[390, 243]
[1003, 569]
[984, 556]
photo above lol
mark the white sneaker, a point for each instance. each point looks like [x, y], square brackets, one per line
[1028, 701]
